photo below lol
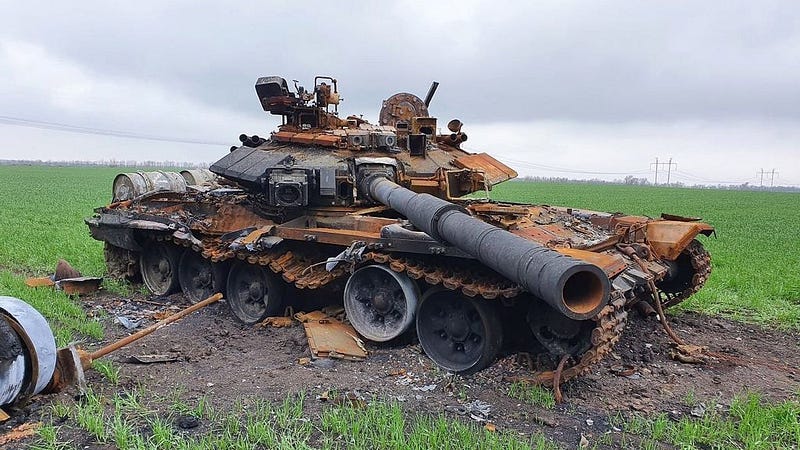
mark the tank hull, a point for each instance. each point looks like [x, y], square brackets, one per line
[322, 199]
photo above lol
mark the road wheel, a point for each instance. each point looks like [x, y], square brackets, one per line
[459, 333]
[200, 278]
[380, 303]
[158, 263]
[253, 292]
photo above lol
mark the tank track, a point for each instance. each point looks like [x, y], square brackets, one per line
[609, 322]
[294, 268]
[701, 263]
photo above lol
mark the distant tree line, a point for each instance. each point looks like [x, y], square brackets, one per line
[630, 180]
[106, 163]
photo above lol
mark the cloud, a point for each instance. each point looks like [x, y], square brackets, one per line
[588, 61]
[705, 152]
[39, 85]
[604, 85]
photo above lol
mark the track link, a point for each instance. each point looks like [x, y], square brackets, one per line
[302, 271]
[701, 263]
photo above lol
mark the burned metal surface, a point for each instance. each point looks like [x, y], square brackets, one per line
[323, 197]
[329, 338]
[29, 371]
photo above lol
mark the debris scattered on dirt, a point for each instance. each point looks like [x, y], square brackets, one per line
[153, 359]
[477, 410]
[330, 338]
[689, 354]
[68, 279]
[3, 416]
[278, 322]
[21, 432]
[698, 411]
[128, 323]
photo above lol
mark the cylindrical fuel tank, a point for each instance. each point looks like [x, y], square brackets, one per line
[194, 177]
[28, 356]
[133, 184]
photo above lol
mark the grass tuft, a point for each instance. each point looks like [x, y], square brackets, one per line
[750, 423]
[533, 394]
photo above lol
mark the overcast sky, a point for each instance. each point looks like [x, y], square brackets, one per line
[554, 89]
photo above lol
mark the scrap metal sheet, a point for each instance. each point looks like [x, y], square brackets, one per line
[330, 338]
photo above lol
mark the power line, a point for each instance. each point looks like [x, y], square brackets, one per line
[669, 169]
[44, 125]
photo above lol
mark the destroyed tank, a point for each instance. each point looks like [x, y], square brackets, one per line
[388, 220]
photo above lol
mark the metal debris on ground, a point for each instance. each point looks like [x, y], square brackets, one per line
[64, 270]
[71, 362]
[278, 322]
[35, 282]
[128, 323]
[351, 399]
[330, 338]
[27, 351]
[623, 370]
[477, 410]
[3, 416]
[21, 432]
[689, 354]
[67, 279]
[153, 359]
[490, 427]
[698, 411]
[426, 388]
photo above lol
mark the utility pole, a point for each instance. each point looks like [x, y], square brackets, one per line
[771, 174]
[655, 182]
[669, 169]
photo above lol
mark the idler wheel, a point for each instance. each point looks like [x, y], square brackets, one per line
[557, 333]
[253, 293]
[459, 333]
[200, 278]
[159, 266]
[380, 303]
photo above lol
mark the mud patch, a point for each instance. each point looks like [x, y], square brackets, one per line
[223, 362]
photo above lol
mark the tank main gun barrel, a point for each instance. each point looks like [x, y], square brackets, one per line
[572, 287]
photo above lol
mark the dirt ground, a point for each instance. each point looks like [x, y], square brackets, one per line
[224, 361]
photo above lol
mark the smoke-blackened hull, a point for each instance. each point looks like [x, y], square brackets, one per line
[575, 288]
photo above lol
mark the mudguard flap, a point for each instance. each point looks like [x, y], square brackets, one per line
[668, 238]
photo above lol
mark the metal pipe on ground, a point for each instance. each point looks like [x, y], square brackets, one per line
[574, 288]
[72, 361]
